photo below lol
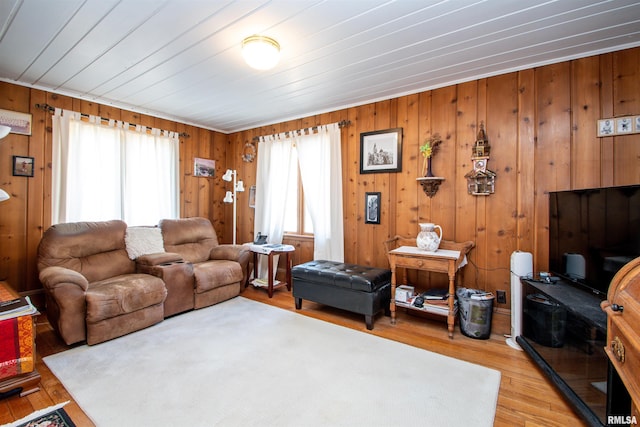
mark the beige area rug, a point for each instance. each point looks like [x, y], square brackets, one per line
[244, 363]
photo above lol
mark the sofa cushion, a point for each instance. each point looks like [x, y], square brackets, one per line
[143, 241]
[192, 238]
[94, 249]
[215, 273]
[123, 294]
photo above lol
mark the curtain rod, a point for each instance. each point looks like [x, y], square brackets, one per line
[52, 109]
[341, 124]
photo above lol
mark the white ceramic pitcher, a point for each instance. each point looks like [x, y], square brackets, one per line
[428, 239]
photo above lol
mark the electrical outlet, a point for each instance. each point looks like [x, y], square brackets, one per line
[501, 297]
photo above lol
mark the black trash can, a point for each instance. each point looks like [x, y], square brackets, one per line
[476, 311]
[545, 321]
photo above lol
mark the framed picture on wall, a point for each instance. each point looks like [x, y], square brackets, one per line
[381, 151]
[252, 196]
[204, 167]
[606, 127]
[22, 166]
[372, 208]
[19, 123]
[624, 125]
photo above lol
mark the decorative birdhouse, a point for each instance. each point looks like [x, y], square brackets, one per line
[480, 180]
[481, 147]
[481, 183]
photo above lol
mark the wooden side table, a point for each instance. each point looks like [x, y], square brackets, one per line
[447, 259]
[27, 382]
[271, 251]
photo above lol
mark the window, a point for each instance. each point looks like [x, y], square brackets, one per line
[297, 219]
[320, 172]
[105, 172]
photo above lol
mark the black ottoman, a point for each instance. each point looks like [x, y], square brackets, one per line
[351, 287]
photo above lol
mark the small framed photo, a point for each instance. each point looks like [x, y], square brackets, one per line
[372, 208]
[204, 167]
[624, 125]
[381, 151]
[606, 127]
[19, 123]
[22, 166]
[252, 196]
[637, 124]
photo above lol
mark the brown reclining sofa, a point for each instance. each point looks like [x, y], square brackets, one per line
[95, 291]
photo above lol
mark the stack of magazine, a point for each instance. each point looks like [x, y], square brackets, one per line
[434, 301]
[17, 307]
[263, 283]
[270, 247]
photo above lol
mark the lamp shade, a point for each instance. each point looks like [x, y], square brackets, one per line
[240, 186]
[261, 52]
[3, 195]
[4, 131]
[228, 197]
[228, 175]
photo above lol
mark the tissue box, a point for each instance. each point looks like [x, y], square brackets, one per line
[404, 293]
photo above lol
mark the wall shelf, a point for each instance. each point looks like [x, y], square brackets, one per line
[430, 185]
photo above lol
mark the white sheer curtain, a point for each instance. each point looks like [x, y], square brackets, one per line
[272, 175]
[150, 177]
[319, 156]
[320, 161]
[102, 172]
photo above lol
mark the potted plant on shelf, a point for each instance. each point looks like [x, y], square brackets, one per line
[428, 149]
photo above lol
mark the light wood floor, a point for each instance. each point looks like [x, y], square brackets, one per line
[526, 397]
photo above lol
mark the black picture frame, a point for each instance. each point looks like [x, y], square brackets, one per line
[372, 208]
[23, 166]
[381, 151]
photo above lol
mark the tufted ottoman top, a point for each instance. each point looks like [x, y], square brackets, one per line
[351, 276]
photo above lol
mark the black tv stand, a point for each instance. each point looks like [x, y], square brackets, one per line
[579, 302]
[564, 332]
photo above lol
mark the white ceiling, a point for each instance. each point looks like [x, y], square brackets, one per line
[181, 60]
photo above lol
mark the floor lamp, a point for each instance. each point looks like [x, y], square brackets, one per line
[230, 197]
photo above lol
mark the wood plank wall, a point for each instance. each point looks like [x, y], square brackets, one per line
[541, 124]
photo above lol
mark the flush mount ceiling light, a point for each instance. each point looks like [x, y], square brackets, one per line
[261, 52]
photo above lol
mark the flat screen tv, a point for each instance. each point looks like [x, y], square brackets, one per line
[592, 234]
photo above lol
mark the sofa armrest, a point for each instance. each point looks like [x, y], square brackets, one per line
[229, 252]
[54, 277]
[239, 253]
[158, 259]
[178, 279]
[65, 290]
